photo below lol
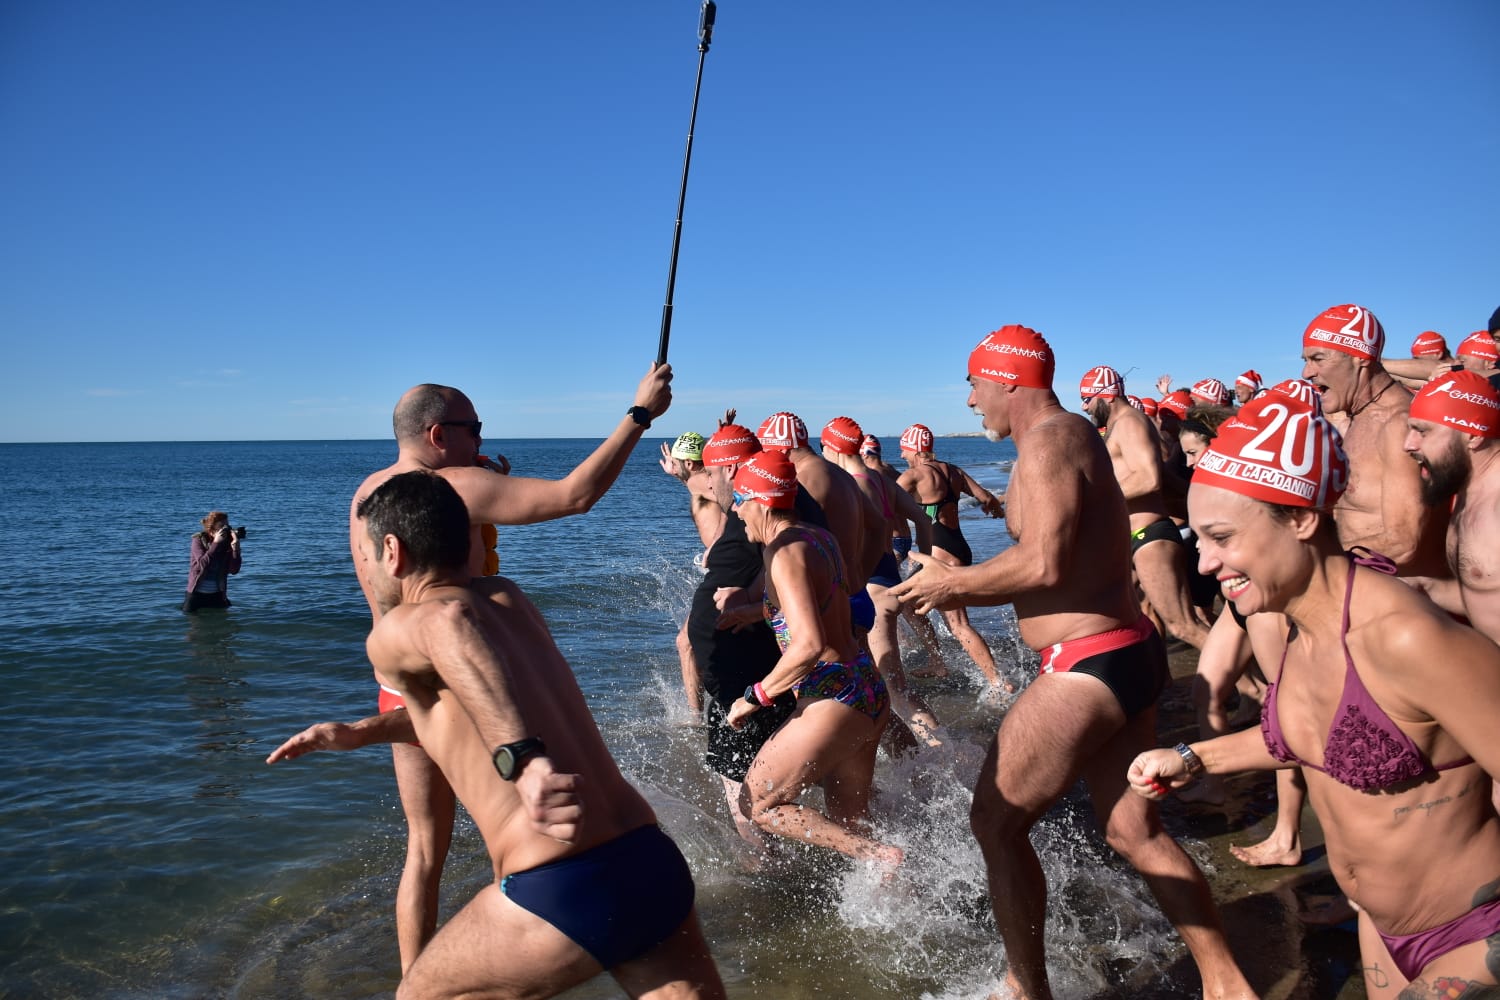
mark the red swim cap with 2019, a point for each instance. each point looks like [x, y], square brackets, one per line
[1101, 382]
[1350, 329]
[916, 438]
[782, 431]
[1299, 390]
[1013, 355]
[1279, 451]
[1210, 391]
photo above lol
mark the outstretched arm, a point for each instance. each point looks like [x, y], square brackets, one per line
[387, 727]
[520, 500]
[1053, 505]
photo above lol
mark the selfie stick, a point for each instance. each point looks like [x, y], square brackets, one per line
[705, 35]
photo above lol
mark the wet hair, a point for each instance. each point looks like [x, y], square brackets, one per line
[421, 408]
[425, 513]
[1204, 421]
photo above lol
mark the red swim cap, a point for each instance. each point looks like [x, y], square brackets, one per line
[1278, 451]
[1250, 378]
[1178, 402]
[1464, 400]
[782, 431]
[1299, 390]
[1429, 345]
[1148, 405]
[842, 436]
[730, 445]
[1013, 355]
[1350, 329]
[1479, 344]
[916, 438]
[871, 445]
[1210, 391]
[1135, 401]
[769, 478]
[1101, 382]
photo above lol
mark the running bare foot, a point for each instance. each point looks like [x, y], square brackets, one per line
[1269, 853]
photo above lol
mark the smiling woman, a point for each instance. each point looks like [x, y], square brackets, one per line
[1387, 703]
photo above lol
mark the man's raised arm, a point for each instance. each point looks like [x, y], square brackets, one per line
[497, 499]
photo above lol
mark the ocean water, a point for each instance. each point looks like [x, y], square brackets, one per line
[149, 852]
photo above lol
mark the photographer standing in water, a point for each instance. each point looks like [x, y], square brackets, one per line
[215, 555]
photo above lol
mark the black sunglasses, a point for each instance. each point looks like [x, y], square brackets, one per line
[472, 425]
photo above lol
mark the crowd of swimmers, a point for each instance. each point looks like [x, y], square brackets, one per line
[1327, 543]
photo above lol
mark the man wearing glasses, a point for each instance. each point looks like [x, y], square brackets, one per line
[437, 430]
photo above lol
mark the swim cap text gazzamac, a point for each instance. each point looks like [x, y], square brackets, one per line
[1350, 329]
[1013, 355]
[1277, 451]
[1479, 344]
[842, 436]
[730, 445]
[1463, 400]
[769, 478]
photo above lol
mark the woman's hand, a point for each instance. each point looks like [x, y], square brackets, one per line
[1155, 774]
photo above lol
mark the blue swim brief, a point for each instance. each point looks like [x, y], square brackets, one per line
[887, 572]
[862, 610]
[616, 901]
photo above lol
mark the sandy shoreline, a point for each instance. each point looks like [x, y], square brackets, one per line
[1284, 958]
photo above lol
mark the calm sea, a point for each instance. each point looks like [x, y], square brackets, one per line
[150, 852]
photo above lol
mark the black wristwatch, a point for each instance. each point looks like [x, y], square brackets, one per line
[640, 415]
[508, 757]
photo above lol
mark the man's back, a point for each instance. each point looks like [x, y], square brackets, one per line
[491, 635]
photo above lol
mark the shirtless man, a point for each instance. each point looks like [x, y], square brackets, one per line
[585, 881]
[1382, 509]
[437, 429]
[1157, 554]
[936, 486]
[1451, 433]
[841, 440]
[1093, 706]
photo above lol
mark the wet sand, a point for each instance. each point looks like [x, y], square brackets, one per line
[1284, 957]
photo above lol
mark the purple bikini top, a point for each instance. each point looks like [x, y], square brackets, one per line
[1365, 749]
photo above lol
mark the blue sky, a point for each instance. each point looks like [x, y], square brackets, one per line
[237, 221]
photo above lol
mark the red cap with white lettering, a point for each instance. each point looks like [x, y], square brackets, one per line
[916, 438]
[1210, 391]
[1463, 400]
[1279, 451]
[730, 445]
[1101, 382]
[1300, 390]
[1351, 329]
[1429, 345]
[1177, 401]
[842, 436]
[1478, 344]
[782, 432]
[1013, 355]
[769, 478]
